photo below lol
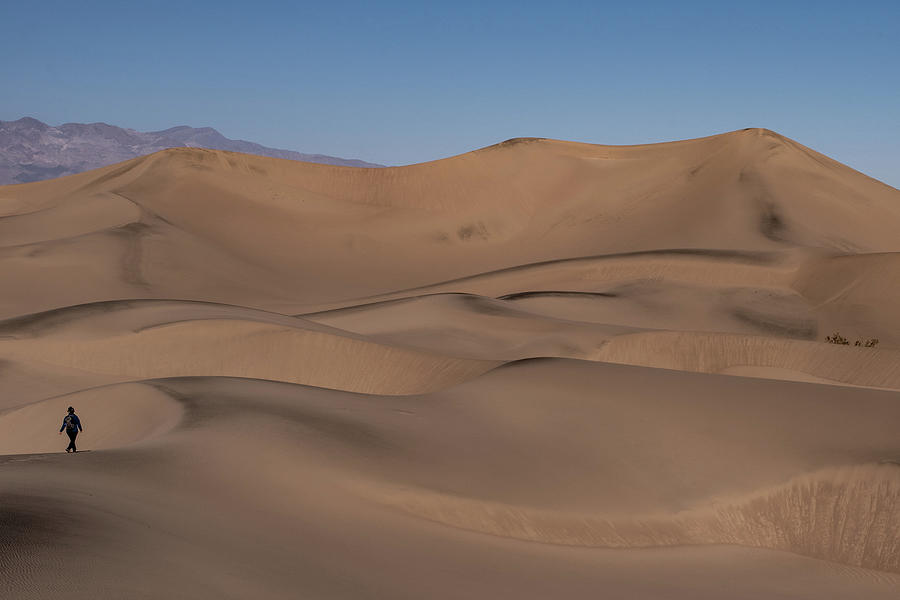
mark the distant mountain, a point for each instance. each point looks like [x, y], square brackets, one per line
[31, 150]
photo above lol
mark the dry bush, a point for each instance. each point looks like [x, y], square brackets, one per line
[837, 338]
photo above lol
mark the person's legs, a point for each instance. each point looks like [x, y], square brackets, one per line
[72, 435]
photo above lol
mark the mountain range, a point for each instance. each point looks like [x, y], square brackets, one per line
[31, 150]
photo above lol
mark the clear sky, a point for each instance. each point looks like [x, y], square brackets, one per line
[398, 82]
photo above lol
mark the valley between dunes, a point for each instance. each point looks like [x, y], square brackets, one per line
[541, 369]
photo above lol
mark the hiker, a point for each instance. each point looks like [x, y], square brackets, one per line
[72, 425]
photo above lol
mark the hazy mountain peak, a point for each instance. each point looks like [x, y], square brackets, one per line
[26, 122]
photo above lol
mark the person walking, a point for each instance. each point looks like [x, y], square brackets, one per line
[72, 425]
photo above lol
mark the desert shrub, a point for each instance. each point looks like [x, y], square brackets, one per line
[837, 338]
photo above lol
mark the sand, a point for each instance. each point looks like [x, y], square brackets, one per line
[540, 369]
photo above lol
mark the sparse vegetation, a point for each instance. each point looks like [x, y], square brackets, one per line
[837, 338]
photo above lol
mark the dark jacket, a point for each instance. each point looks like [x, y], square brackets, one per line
[74, 424]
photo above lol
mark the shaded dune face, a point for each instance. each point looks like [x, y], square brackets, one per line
[481, 376]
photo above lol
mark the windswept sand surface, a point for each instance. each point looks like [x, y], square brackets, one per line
[538, 370]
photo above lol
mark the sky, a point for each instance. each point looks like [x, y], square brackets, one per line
[398, 82]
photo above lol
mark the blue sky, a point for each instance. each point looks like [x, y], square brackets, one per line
[401, 82]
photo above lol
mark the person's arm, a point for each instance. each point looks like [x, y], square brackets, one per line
[78, 422]
[63, 426]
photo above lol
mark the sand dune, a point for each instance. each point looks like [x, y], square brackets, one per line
[253, 224]
[376, 481]
[785, 295]
[171, 339]
[539, 369]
